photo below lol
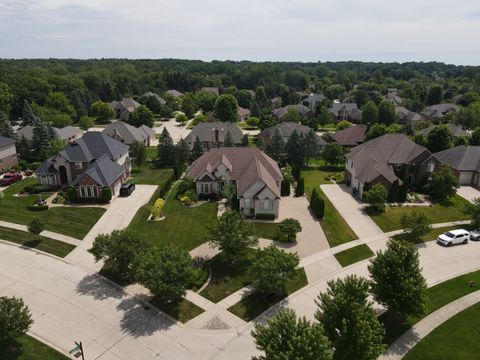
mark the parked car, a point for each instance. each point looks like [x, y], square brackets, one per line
[127, 189]
[10, 178]
[460, 236]
[475, 235]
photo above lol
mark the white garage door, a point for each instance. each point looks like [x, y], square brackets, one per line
[465, 178]
[116, 188]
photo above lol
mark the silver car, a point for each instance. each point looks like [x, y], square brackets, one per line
[475, 235]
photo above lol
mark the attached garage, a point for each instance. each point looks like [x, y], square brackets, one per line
[465, 178]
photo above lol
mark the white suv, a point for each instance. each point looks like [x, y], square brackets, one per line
[460, 236]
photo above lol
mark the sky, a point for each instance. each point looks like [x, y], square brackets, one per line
[257, 30]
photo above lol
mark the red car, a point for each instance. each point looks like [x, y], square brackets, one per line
[10, 178]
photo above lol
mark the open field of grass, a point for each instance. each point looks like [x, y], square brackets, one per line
[71, 221]
[182, 227]
[353, 255]
[28, 348]
[438, 213]
[437, 296]
[457, 338]
[42, 243]
[255, 304]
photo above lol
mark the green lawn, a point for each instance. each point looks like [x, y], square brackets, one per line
[182, 310]
[267, 230]
[457, 338]
[152, 153]
[28, 348]
[437, 296]
[335, 227]
[42, 243]
[433, 233]
[228, 278]
[182, 227]
[353, 255]
[149, 175]
[438, 213]
[71, 221]
[255, 304]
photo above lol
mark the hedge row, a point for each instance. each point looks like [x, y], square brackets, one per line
[317, 204]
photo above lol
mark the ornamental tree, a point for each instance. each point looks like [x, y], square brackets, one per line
[15, 320]
[415, 225]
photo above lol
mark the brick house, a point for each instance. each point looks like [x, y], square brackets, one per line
[8, 154]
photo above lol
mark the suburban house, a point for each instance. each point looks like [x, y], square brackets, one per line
[455, 130]
[301, 109]
[351, 136]
[392, 96]
[176, 94]
[212, 134]
[8, 154]
[67, 134]
[386, 159]
[124, 108]
[438, 111]
[254, 174]
[464, 161]
[243, 114]
[313, 101]
[286, 129]
[160, 100]
[345, 111]
[211, 89]
[129, 134]
[407, 117]
[88, 165]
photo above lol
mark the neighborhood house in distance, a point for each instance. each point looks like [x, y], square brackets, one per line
[213, 134]
[88, 165]
[8, 154]
[254, 174]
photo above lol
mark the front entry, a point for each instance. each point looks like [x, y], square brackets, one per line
[63, 175]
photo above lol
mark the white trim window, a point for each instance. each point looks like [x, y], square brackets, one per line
[247, 203]
[206, 188]
[267, 204]
[78, 166]
[95, 190]
[83, 192]
[430, 167]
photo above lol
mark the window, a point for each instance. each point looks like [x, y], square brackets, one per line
[95, 191]
[78, 165]
[51, 179]
[431, 167]
[267, 204]
[247, 203]
[89, 191]
[206, 188]
[82, 191]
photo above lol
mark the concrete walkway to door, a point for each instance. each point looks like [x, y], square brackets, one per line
[351, 210]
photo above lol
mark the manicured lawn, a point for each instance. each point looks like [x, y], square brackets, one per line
[70, 221]
[182, 227]
[437, 296]
[150, 176]
[42, 243]
[182, 310]
[28, 348]
[438, 213]
[335, 227]
[353, 255]
[457, 338]
[227, 277]
[267, 230]
[433, 233]
[255, 304]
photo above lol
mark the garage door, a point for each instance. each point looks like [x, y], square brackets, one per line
[116, 188]
[465, 178]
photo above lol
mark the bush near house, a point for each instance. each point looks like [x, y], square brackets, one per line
[300, 188]
[317, 204]
[156, 209]
[289, 229]
[285, 187]
[265, 217]
[106, 194]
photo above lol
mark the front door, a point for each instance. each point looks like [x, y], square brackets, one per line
[63, 175]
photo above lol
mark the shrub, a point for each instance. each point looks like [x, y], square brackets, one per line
[265, 217]
[181, 118]
[376, 197]
[23, 165]
[189, 197]
[37, 188]
[252, 121]
[35, 165]
[300, 189]
[106, 194]
[285, 187]
[72, 195]
[37, 207]
[156, 209]
[289, 229]
[317, 204]
[36, 226]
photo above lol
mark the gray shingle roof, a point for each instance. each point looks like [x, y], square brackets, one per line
[103, 171]
[26, 132]
[160, 100]
[175, 93]
[92, 146]
[286, 130]
[4, 141]
[352, 136]
[67, 132]
[128, 133]
[281, 112]
[206, 132]
[462, 158]
[455, 130]
[439, 110]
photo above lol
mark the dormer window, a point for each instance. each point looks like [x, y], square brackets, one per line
[78, 166]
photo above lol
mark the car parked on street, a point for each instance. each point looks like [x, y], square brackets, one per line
[475, 235]
[10, 178]
[127, 189]
[452, 237]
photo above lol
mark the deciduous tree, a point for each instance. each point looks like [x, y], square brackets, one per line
[439, 138]
[226, 108]
[415, 225]
[102, 111]
[333, 154]
[386, 112]
[369, 113]
[15, 320]
[142, 115]
[442, 184]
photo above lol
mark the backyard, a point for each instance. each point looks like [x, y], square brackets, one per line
[71, 221]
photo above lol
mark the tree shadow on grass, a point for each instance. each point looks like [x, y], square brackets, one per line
[11, 352]
[31, 244]
[140, 319]
[97, 287]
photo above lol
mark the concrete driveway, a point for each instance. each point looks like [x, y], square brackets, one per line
[176, 131]
[118, 215]
[351, 210]
[468, 193]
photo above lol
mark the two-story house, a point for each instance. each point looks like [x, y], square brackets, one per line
[212, 134]
[8, 154]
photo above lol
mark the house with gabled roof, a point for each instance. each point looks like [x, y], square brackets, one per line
[438, 111]
[212, 134]
[175, 93]
[345, 111]
[8, 154]
[211, 89]
[464, 161]
[124, 108]
[89, 165]
[157, 97]
[301, 109]
[66, 134]
[286, 130]
[351, 136]
[129, 134]
[384, 160]
[254, 174]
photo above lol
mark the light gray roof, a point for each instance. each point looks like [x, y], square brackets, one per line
[176, 94]
[439, 110]
[26, 132]
[312, 99]
[4, 141]
[46, 167]
[124, 107]
[455, 130]
[461, 158]
[281, 112]
[210, 89]
[247, 165]
[206, 132]
[350, 108]
[286, 130]
[376, 157]
[104, 171]
[127, 133]
[67, 132]
[351, 136]
[160, 100]
[92, 146]
[404, 114]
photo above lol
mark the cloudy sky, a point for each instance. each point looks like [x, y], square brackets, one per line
[276, 30]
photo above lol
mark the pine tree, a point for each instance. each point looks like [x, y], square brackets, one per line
[311, 146]
[166, 149]
[41, 140]
[228, 141]
[23, 149]
[296, 149]
[300, 188]
[197, 149]
[277, 146]
[183, 152]
[5, 127]
[285, 187]
[28, 117]
[393, 192]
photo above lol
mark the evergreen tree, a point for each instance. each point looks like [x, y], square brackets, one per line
[435, 95]
[183, 152]
[228, 141]
[5, 127]
[197, 149]
[285, 187]
[317, 204]
[40, 141]
[296, 149]
[300, 188]
[311, 146]
[28, 117]
[277, 146]
[393, 192]
[24, 149]
[245, 140]
[324, 117]
[166, 149]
